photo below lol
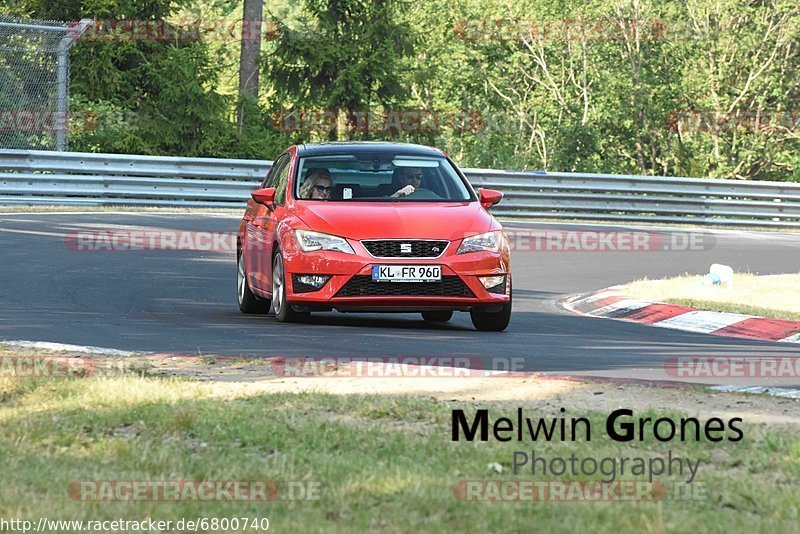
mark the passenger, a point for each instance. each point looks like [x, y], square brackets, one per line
[408, 179]
[317, 185]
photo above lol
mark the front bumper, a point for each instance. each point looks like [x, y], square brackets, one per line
[350, 287]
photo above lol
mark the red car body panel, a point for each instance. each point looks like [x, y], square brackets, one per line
[264, 228]
[397, 220]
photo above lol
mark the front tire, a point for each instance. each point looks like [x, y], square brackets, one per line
[248, 301]
[283, 310]
[437, 316]
[492, 321]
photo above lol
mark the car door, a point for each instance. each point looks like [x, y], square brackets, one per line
[261, 223]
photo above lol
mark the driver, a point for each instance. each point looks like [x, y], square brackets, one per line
[317, 185]
[409, 179]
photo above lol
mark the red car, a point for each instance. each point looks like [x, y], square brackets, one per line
[373, 227]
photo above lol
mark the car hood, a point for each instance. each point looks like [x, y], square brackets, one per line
[396, 220]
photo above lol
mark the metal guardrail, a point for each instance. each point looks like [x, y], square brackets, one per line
[72, 178]
[75, 178]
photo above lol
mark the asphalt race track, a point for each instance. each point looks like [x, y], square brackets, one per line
[185, 302]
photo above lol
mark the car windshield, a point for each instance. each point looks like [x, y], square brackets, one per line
[379, 178]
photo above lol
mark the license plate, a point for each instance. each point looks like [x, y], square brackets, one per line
[406, 273]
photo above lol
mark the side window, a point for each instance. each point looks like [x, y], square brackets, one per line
[277, 166]
[281, 180]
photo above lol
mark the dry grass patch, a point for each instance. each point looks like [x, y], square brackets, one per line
[775, 296]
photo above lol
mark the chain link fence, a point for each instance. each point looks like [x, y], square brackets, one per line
[34, 82]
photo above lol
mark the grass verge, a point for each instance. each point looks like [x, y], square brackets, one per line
[775, 296]
[380, 462]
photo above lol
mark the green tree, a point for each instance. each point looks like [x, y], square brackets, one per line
[341, 55]
[152, 95]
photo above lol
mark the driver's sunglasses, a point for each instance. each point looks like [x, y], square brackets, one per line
[415, 176]
[322, 189]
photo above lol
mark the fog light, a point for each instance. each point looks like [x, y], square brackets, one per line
[313, 280]
[494, 284]
[491, 281]
[303, 283]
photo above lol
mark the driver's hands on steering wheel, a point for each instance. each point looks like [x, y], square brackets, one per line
[407, 190]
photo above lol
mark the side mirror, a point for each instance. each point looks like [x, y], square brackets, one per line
[265, 197]
[489, 197]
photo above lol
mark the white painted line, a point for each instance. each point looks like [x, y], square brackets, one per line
[627, 304]
[599, 296]
[574, 300]
[779, 232]
[791, 339]
[62, 347]
[572, 305]
[777, 392]
[702, 321]
[32, 232]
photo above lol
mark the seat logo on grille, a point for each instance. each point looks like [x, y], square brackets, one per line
[405, 248]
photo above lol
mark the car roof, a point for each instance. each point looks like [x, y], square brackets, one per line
[366, 147]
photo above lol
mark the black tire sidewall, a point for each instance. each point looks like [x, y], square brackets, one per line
[250, 303]
[494, 321]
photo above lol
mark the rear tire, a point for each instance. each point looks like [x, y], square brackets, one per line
[283, 310]
[248, 301]
[437, 316]
[492, 321]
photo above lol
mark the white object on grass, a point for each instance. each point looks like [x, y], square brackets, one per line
[724, 272]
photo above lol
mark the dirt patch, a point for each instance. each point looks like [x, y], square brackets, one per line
[544, 393]
[237, 377]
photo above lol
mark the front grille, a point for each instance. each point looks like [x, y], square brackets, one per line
[414, 248]
[365, 286]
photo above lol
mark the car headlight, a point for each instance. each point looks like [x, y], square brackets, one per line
[488, 242]
[310, 241]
